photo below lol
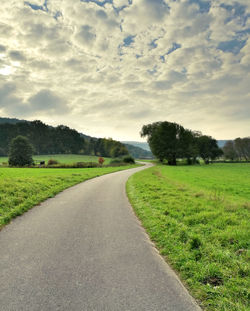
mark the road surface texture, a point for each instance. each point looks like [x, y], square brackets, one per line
[86, 250]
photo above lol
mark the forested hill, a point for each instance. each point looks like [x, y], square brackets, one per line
[137, 152]
[139, 144]
[11, 120]
[53, 140]
[61, 139]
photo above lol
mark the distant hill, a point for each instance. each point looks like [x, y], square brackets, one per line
[142, 145]
[11, 120]
[14, 121]
[61, 139]
[92, 145]
[145, 146]
[138, 152]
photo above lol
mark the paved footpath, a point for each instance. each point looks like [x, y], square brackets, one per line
[85, 250]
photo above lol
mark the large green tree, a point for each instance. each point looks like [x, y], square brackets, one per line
[230, 151]
[20, 152]
[242, 148]
[167, 140]
[208, 148]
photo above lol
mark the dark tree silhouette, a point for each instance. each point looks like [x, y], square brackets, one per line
[169, 141]
[20, 152]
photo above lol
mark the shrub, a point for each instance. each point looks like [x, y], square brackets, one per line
[74, 165]
[85, 164]
[21, 152]
[128, 159]
[52, 162]
[116, 161]
[79, 164]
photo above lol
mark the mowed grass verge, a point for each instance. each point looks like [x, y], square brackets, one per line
[63, 158]
[22, 188]
[198, 217]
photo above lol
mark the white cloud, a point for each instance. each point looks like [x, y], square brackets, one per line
[47, 101]
[108, 72]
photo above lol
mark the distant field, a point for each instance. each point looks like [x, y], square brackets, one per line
[64, 158]
[147, 160]
[22, 188]
[198, 217]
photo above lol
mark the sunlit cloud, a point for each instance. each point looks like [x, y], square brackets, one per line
[108, 67]
[6, 70]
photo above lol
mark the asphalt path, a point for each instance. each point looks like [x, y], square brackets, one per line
[86, 250]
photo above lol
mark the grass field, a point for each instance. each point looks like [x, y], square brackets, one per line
[198, 217]
[22, 188]
[63, 158]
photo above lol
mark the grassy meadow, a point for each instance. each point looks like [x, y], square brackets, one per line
[63, 158]
[198, 217]
[22, 188]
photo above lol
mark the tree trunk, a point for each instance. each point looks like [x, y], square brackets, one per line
[172, 162]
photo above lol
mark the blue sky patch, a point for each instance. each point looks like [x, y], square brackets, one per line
[232, 46]
[128, 41]
[237, 10]
[243, 33]
[204, 5]
[38, 7]
[57, 14]
[100, 3]
[162, 58]
[175, 46]
[153, 44]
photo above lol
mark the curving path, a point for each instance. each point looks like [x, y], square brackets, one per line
[85, 250]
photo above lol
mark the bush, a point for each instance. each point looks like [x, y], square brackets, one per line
[52, 162]
[74, 165]
[116, 161]
[128, 159]
[85, 164]
[21, 152]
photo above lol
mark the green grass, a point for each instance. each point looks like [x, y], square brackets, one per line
[22, 188]
[147, 160]
[64, 158]
[198, 217]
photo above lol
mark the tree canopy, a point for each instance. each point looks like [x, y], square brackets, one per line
[58, 140]
[20, 152]
[170, 141]
[238, 149]
[208, 148]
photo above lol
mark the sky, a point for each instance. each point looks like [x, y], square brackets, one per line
[107, 67]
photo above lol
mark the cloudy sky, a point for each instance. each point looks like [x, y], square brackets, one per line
[106, 67]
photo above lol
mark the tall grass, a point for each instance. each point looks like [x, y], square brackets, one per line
[22, 188]
[198, 217]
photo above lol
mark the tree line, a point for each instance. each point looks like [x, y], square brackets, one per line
[58, 140]
[238, 149]
[171, 141]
